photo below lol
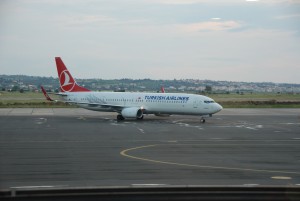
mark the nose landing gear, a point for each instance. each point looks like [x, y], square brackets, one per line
[202, 120]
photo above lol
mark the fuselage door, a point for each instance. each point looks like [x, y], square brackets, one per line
[196, 103]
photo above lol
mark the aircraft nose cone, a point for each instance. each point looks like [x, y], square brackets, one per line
[219, 107]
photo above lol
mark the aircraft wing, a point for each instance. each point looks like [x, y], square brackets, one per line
[116, 108]
[103, 105]
[98, 104]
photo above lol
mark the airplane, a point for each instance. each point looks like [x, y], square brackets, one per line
[132, 104]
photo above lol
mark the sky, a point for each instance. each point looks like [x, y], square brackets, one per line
[229, 40]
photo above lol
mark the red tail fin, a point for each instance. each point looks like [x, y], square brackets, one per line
[162, 89]
[66, 81]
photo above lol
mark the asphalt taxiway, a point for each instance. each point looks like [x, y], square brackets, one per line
[41, 148]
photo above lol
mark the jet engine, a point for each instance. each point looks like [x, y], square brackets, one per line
[132, 112]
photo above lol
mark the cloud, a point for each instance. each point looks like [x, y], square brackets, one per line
[210, 26]
[176, 1]
[190, 38]
[182, 2]
[281, 17]
[88, 19]
[276, 1]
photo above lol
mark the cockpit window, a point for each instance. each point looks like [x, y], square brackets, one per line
[207, 101]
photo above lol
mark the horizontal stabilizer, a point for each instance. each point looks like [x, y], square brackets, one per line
[46, 94]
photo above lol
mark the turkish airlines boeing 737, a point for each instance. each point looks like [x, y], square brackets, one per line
[132, 104]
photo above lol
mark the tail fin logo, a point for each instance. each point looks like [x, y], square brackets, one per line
[67, 83]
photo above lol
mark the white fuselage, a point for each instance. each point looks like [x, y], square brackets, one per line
[150, 103]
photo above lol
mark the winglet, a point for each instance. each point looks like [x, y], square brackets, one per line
[46, 94]
[66, 81]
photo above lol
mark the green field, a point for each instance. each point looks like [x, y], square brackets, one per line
[256, 96]
[255, 100]
[258, 100]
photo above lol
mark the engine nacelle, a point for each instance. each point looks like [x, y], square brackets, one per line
[132, 112]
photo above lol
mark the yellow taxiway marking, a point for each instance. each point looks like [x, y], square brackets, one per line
[125, 154]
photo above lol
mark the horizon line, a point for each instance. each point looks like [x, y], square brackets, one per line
[156, 79]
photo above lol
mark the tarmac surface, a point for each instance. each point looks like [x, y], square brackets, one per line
[44, 148]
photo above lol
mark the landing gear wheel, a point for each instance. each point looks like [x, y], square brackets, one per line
[120, 117]
[202, 120]
[141, 118]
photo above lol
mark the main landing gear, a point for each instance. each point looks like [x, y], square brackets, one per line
[202, 120]
[120, 117]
